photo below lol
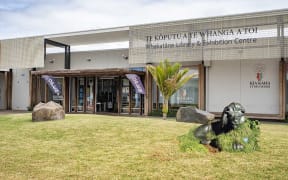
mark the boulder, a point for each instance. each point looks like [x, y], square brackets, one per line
[47, 111]
[194, 115]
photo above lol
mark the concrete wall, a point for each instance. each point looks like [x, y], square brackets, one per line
[229, 81]
[2, 91]
[89, 60]
[20, 89]
[99, 59]
[54, 62]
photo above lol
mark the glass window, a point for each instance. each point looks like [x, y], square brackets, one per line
[73, 94]
[80, 91]
[185, 96]
[154, 95]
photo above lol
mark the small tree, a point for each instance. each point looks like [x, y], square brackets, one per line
[169, 78]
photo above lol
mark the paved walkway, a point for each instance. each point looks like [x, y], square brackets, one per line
[23, 111]
[13, 111]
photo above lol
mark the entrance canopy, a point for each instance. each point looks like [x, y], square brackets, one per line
[29, 52]
[91, 40]
[89, 72]
[91, 37]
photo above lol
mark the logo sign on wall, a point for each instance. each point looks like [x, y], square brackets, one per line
[259, 78]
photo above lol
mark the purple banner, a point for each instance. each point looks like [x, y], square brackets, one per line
[136, 82]
[53, 84]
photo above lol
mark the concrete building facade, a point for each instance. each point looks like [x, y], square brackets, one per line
[237, 58]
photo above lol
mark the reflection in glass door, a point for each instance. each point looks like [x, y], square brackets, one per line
[73, 87]
[135, 102]
[80, 92]
[131, 102]
[125, 96]
[90, 94]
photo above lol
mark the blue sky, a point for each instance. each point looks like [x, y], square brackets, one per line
[19, 18]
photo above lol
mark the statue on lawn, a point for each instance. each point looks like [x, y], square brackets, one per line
[232, 117]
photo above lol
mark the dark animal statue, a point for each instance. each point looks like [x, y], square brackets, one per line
[232, 117]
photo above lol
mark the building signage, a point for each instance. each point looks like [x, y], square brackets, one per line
[136, 82]
[259, 81]
[202, 38]
[53, 84]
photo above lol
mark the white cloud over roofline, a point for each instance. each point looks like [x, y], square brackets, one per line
[20, 18]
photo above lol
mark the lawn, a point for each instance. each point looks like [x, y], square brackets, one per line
[105, 147]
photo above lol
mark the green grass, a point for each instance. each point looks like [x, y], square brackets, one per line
[112, 147]
[189, 143]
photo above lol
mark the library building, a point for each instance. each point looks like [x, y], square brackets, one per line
[235, 58]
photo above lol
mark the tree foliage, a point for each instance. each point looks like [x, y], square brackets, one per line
[169, 78]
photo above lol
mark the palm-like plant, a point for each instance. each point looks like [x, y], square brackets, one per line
[169, 78]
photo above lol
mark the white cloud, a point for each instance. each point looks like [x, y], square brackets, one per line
[36, 17]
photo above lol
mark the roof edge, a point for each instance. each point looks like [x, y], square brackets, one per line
[93, 31]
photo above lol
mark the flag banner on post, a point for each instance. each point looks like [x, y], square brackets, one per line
[136, 82]
[53, 84]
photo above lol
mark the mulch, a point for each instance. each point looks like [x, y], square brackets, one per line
[212, 149]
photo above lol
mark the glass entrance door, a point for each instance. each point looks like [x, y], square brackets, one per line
[131, 102]
[106, 95]
[82, 90]
[125, 96]
[93, 94]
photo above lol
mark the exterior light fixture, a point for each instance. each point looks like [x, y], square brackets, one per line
[125, 56]
[51, 61]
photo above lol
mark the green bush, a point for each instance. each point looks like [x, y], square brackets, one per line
[171, 113]
[29, 108]
[244, 138]
[189, 143]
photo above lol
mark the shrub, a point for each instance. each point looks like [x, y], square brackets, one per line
[244, 138]
[171, 113]
[189, 143]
